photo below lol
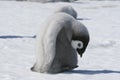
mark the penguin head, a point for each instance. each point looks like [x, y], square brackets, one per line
[80, 44]
[80, 37]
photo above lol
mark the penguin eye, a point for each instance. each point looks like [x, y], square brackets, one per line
[77, 44]
[80, 45]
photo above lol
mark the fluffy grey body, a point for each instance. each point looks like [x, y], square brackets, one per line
[54, 50]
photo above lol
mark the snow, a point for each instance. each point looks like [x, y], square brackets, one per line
[20, 21]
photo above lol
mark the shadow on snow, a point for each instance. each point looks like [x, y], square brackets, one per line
[92, 72]
[15, 36]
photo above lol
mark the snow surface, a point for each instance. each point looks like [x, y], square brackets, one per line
[20, 21]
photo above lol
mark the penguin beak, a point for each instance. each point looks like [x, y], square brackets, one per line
[79, 51]
[81, 55]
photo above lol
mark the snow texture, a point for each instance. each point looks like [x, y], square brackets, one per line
[19, 23]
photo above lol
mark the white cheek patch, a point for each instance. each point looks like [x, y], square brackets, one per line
[77, 44]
